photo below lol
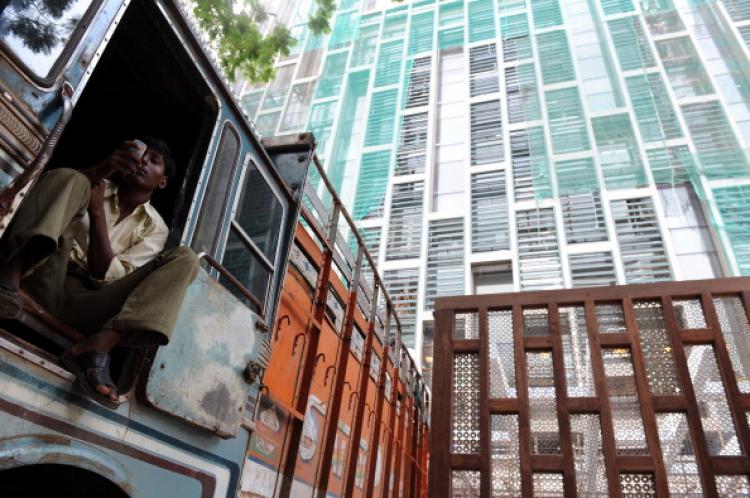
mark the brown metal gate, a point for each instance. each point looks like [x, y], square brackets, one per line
[639, 390]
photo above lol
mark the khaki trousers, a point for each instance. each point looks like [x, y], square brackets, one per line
[145, 302]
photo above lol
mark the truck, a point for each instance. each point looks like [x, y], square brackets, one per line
[285, 375]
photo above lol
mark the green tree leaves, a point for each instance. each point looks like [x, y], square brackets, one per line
[241, 47]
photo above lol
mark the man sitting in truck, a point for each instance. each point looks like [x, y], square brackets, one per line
[91, 251]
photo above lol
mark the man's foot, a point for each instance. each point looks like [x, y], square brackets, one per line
[10, 302]
[91, 369]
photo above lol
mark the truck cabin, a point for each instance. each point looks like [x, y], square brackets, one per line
[149, 81]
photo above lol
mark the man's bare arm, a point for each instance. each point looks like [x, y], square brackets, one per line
[100, 252]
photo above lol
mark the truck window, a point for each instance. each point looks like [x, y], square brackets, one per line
[250, 253]
[37, 32]
[217, 191]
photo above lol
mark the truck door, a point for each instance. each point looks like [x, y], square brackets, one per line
[210, 372]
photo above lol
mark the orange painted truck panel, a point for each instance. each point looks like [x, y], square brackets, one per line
[337, 414]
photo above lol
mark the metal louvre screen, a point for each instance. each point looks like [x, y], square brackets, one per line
[405, 234]
[539, 260]
[413, 145]
[483, 70]
[419, 83]
[635, 390]
[445, 260]
[644, 257]
[489, 212]
[486, 133]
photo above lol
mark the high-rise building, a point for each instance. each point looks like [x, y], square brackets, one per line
[508, 145]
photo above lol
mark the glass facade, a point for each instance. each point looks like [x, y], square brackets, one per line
[495, 145]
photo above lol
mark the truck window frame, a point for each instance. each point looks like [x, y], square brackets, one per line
[272, 265]
[71, 45]
[228, 130]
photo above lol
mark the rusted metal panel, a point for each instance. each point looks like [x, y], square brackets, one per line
[612, 391]
[200, 377]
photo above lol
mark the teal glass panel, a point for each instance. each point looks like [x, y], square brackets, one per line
[619, 157]
[661, 23]
[546, 13]
[345, 150]
[734, 208]
[567, 122]
[531, 175]
[373, 17]
[299, 33]
[251, 102]
[400, 8]
[332, 75]
[315, 41]
[631, 45]
[266, 123]
[451, 13]
[481, 20]
[506, 6]
[393, 26]
[738, 10]
[371, 186]
[343, 30]
[321, 123]
[684, 69]
[382, 118]
[554, 57]
[365, 45]
[745, 32]
[719, 152]
[515, 34]
[451, 37]
[279, 87]
[653, 108]
[389, 63]
[522, 93]
[672, 165]
[652, 6]
[420, 34]
[576, 176]
[617, 6]
[540, 166]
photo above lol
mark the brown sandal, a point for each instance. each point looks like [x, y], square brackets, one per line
[92, 369]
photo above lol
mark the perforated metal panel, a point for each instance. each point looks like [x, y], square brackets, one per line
[502, 369]
[465, 403]
[504, 455]
[630, 435]
[657, 351]
[465, 484]
[618, 391]
[680, 463]
[716, 416]
[579, 374]
[588, 454]
[638, 485]
[548, 485]
[545, 431]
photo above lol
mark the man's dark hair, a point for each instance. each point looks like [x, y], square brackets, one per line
[160, 146]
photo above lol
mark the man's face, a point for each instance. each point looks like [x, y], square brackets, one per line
[150, 172]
